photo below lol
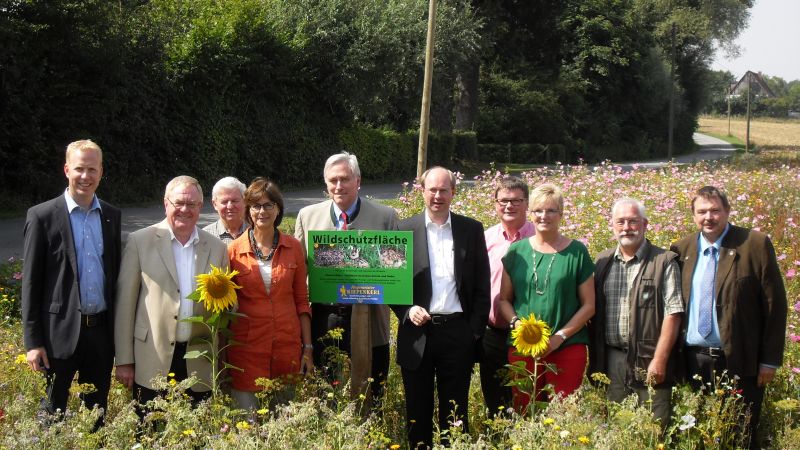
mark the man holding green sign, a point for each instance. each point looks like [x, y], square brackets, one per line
[366, 327]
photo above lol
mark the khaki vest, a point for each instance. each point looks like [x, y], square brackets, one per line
[646, 315]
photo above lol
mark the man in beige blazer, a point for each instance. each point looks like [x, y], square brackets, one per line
[158, 270]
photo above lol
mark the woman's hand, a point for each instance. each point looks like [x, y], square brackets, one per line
[554, 344]
[307, 362]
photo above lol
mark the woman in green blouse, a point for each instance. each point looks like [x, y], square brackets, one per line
[551, 276]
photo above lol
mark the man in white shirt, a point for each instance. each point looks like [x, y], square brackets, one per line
[437, 335]
[159, 266]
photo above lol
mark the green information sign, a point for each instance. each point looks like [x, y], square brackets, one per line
[360, 266]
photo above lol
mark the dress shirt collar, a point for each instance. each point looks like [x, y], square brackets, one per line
[703, 244]
[638, 256]
[447, 223]
[192, 239]
[525, 230]
[72, 204]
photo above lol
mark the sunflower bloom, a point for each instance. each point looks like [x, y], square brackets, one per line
[217, 290]
[531, 337]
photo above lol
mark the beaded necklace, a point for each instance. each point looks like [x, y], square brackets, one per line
[546, 276]
[257, 250]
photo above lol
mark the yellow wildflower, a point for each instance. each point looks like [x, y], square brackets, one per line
[242, 425]
[584, 440]
[21, 359]
[601, 378]
[262, 411]
[549, 421]
[216, 290]
[395, 446]
[531, 336]
[189, 432]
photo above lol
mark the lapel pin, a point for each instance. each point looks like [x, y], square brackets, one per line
[730, 252]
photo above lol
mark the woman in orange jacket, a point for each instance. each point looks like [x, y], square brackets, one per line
[274, 339]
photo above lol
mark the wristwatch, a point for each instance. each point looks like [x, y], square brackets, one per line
[562, 334]
[513, 323]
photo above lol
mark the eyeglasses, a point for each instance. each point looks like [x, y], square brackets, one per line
[545, 212]
[510, 201]
[268, 206]
[181, 205]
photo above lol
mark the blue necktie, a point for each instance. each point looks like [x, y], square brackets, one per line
[704, 323]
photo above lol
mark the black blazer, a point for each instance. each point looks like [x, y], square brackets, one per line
[471, 267]
[50, 293]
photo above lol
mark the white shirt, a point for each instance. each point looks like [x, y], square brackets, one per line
[265, 267]
[184, 265]
[444, 299]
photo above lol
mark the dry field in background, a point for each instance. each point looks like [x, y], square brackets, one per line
[764, 133]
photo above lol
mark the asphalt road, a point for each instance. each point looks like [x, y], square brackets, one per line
[11, 238]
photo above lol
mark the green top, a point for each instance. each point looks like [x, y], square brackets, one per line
[559, 301]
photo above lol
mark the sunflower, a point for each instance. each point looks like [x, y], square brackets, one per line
[531, 336]
[216, 290]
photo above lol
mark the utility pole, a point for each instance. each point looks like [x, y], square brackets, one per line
[747, 135]
[730, 93]
[425, 113]
[671, 95]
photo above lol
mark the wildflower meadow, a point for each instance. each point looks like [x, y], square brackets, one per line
[764, 194]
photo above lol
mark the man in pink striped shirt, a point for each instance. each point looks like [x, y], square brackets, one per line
[511, 206]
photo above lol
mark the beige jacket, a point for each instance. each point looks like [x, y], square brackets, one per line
[148, 299]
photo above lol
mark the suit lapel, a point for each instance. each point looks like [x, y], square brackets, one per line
[687, 271]
[726, 258]
[164, 246]
[108, 246]
[65, 228]
[459, 248]
[202, 256]
[422, 261]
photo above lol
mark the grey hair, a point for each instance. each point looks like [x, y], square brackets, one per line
[349, 158]
[629, 201]
[180, 181]
[227, 184]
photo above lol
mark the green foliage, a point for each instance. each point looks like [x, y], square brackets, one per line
[10, 289]
[210, 88]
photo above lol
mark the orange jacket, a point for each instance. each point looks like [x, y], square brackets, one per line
[269, 341]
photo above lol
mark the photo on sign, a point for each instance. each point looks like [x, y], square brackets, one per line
[366, 256]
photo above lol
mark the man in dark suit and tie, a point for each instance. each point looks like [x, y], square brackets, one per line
[437, 336]
[72, 257]
[736, 302]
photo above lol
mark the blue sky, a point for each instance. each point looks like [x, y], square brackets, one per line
[770, 44]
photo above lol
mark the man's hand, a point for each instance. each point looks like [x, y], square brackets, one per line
[37, 359]
[656, 372]
[125, 374]
[418, 316]
[765, 375]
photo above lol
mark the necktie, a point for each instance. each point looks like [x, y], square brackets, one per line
[704, 323]
[344, 220]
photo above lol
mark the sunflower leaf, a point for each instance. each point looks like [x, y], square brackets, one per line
[194, 354]
[193, 319]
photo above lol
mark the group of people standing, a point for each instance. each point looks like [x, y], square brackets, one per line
[645, 316]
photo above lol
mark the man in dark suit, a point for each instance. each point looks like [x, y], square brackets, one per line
[72, 257]
[736, 302]
[438, 335]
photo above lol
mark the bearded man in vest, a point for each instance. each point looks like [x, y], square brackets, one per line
[638, 313]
